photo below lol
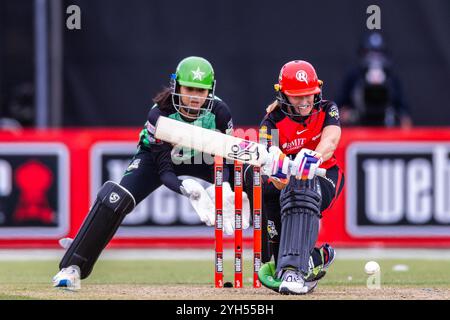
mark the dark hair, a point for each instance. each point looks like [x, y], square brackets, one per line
[164, 98]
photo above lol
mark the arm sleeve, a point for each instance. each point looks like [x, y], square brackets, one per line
[171, 181]
[224, 121]
[331, 115]
[161, 153]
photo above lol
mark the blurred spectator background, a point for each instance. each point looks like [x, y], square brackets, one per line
[17, 105]
[372, 93]
[106, 73]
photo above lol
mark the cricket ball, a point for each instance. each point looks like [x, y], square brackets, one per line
[372, 267]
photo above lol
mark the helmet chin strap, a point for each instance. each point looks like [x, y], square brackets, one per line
[296, 116]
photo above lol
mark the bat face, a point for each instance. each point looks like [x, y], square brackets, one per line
[245, 151]
[210, 141]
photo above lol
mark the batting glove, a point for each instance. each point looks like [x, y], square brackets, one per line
[277, 164]
[306, 163]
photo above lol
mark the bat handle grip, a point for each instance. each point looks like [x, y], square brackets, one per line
[321, 172]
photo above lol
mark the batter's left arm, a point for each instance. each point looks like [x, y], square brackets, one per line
[329, 141]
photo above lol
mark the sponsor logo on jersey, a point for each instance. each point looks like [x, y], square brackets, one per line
[149, 134]
[151, 128]
[134, 165]
[334, 112]
[295, 144]
[263, 135]
[271, 229]
[300, 132]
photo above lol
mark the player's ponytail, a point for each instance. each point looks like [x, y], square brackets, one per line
[164, 99]
[272, 106]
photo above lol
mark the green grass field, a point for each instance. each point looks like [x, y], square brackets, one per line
[168, 279]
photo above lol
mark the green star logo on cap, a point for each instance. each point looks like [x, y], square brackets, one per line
[198, 75]
[195, 72]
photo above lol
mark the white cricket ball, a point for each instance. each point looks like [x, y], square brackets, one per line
[371, 267]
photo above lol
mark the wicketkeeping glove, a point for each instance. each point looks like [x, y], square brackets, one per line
[200, 200]
[228, 213]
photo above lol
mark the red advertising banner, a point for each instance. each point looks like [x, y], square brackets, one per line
[397, 190]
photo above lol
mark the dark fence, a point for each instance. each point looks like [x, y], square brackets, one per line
[126, 50]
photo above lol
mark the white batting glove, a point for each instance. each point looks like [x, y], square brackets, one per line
[306, 164]
[277, 164]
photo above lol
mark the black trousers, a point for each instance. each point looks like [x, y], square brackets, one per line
[331, 187]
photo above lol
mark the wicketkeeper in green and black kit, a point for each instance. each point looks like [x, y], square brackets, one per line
[190, 98]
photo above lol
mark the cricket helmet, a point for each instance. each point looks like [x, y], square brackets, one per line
[298, 78]
[195, 72]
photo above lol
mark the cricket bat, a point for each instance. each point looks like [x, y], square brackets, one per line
[215, 143]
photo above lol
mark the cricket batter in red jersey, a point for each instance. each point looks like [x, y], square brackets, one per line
[303, 127]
